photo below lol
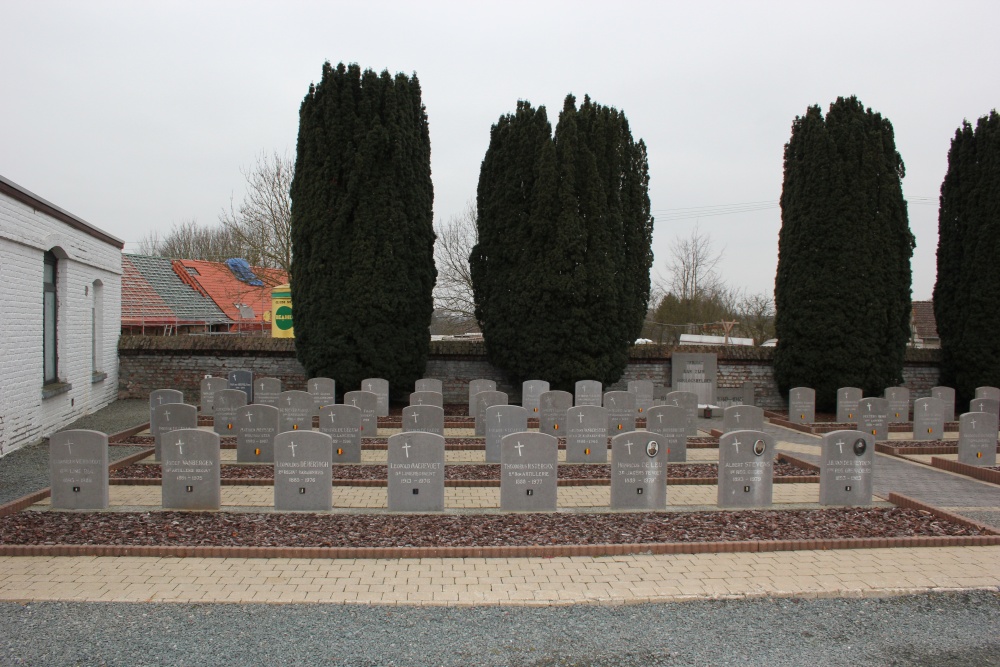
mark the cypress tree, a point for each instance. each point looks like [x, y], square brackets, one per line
[362, 237]
[968, 275]
[561, 268]
[842, 289]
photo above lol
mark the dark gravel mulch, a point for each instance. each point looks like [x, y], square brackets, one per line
[481, 530]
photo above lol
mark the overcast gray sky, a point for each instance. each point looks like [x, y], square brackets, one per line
[138, 115]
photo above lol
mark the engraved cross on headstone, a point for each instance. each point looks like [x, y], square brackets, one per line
[519, 447]
[406, 448]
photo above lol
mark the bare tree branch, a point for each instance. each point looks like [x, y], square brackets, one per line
[453, 292]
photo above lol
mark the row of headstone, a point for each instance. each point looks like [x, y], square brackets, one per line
[802, 406]
[267, 391]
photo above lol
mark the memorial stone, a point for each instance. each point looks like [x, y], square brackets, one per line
[621, 411]
[501, 421]
[947, 396]
[554, 404]
[78, 470]
[379, 387]
[485, 400]
[642, 390]
[303, 473]
[227, 402]
[324, 393]
[899, 404]
[160, 397]
[531, 393]
[242, 380]
[267, 391]
[726, 397]
[928, 419]
[586, 434]
[191, 469]
[697, 373]
[845, 476]
[416, 472]
[802, 405]
[688, 400]
[528, 470]
[295, 411]
[368, 403]
[988, 392]
[977, 439]
[746, 469]
[429, 384]
[475, 387]
[257, 426]
[985, 405]
[670, 421]
[170, 417]
[426, 418]
[587, 392]
[742, 418]
[847, 404]
[638, 471]
[427, 398]
[210, 385]
[343, 424]
[873, 418]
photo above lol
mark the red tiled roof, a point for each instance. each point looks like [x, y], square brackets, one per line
[216, 280]
[140, 302]
[923, 320]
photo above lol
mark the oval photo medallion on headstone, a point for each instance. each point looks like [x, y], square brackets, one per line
[860, 446]
[759, 447]
[652, 447]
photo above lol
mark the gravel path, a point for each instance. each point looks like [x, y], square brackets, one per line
[934, 629]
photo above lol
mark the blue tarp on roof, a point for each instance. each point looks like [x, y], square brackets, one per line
[241, 269]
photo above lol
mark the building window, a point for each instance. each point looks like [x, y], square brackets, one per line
[97, 328]
[49, 312]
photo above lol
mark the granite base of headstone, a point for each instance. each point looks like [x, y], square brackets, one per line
[928, 419]
[742, 418]
[379, 387]
[367, 402]
[846, 471]
[554, 404]
[802, 405]
[670, 421]
[78, 470]
[475, 387]
[227, 402]
[242, 380]
[899, 404]
[324, 393]
[873, 418]
[257, 426]
[267, 391]
[429, 384]
[586, 434]
[303, 473]
[426, 418]
[642, 391]
[427, 398]
[688, 401]
[191, 470]
[170, 417]
[501, 421]
[587, 392]
[746, 469]
[210, 385]
[528, 471]
[484, 401]
[638, 471]
[621, 412]
[947, 396]
[847, 404]
[977, 439]
[531, 394]
[416, 472]
[343, 424]
[295, 411]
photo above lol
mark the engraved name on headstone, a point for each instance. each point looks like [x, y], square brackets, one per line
[78, 470]
[742, 418]
[429, 384]
[554, 405]
[242, 380]
[343, 424]
[528, 471]
[227, 402]
[257, 425]
[621, 411]
[368, 404]
[845, 476]
[379, 387]
[161, 396]
[475, 387]
[746, 469]
[324, 393]
[586, 434]
[485, 400]
[928, 419]
[638, 471]
[170, 417]
[427, 398]
[642, 390]
[267, 391]
[587, 392]
[501, 421]
[303, 474]
[899, 404]
[670, 421]
[416, 472]
[295, 411]
[688, 400]
[531, 393]
[977, 439]
[847, 404]
[873, 418]
[210, 385]
[426, 418]
[802, 405]
[947, 396]
[985, 405]
[191, 469]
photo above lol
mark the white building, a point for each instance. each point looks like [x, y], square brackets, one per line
[60, 278]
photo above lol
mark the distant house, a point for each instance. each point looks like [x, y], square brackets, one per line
[923, 325]
[61, 280]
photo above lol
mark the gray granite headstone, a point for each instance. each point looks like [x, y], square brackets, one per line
[977, 439]
[742, 418]
[161, 396]
[586, 434]
[846, 475]
[170, 417]
[643, 392]
[847, 404]
[210, 385]
[985, 405]
[947, 396]
[379, 387]
[324, 392]
[746, 469]
[475, 387]
[554, 405]
[528, 471]
[257, 426]
[484, 401]
[427, 398]
[429, 384]
[295, 411]
[587, 392]
[695, 372]
[303, 473]
[416, 472]
[688, 400]
[670, 421]
[988, 392]
[729, 396]
[621, 411]
[501, 421]
[638, 471]
[802, 405]
[531, 393]
[368, 403]
[427, 418]
[242, 380]
[78, 470]
[899, 404]
[227, 402]
[267, 391]
[343, 424]
[191, 469]
[873, 418]
[928, 419]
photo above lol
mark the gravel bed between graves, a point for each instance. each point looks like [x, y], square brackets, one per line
[229, 441]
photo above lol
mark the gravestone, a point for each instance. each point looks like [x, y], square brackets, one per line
[501, 421]
[257, 426]
[170, 417]
[985, 405]
[742, 418]
[845, 476]
[191, 469]
[642, 390]
[946, 396]
[242, 380]
[426, 418]
[847, 404]
[162, 396]
[899, 404]
[554, 405]
[638, 471]
[531, 393]
[295, 411]
[227, 402]
[696, 373]
[746, 469]
[485, 400]
[343, 424]
[427, 398]
[670, 421]
[78, 470]
[324, 393]
[429, 384]
[267, 391]
[873, 418]
[802, 405]
[303, 473]
[475, 387]
[977, 439]
[688, 400]
[367, 402]
[416, 472]
[988, 392]
[587, 392]
[621, 411]
[729, 396]
[586, 434]
[528, 470]
[210, 385]
[379, 387]
[928, 419]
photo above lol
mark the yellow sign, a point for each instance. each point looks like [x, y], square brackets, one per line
[281, 312]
